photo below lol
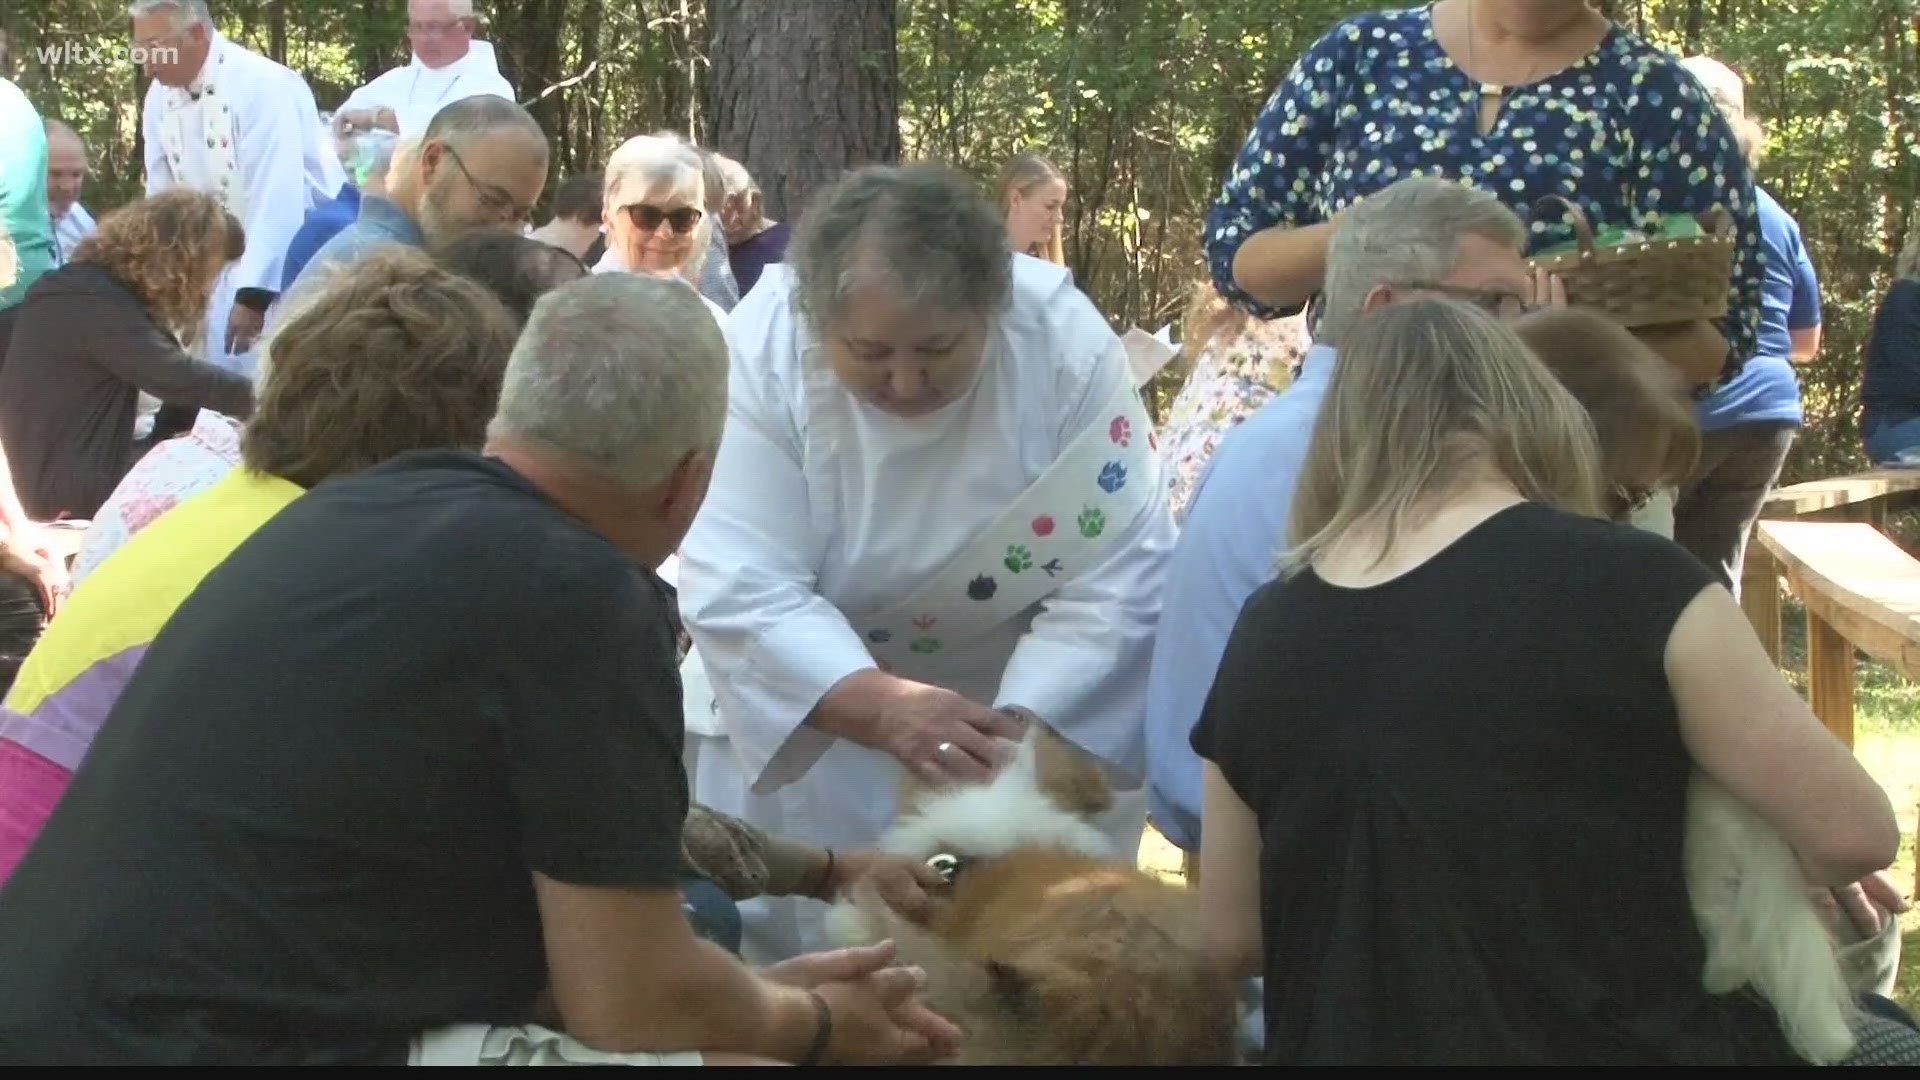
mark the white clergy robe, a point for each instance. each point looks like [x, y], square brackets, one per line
[246, 129]
[416, 92]
[68, 230]
[823, 510]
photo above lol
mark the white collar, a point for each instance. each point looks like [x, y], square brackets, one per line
[479, 54]
[198, 87]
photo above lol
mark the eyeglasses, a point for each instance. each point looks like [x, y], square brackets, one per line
[493, 200]
[1629, 500]
[1501, 305]
[647, 218]
[435, 29]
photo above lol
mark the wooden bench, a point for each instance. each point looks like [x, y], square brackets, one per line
[1863, 497]
[1861, 591]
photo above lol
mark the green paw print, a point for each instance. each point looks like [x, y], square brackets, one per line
[1019, 558]
[925, 645]
[1093, 521]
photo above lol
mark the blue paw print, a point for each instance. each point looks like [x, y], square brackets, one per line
[880, 637]
[1113, 477]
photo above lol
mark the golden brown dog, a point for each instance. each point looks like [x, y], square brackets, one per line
[1048, 947]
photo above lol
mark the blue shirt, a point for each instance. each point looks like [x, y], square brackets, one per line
[1624, 132]
[380, 222]
[23, 191]
[1890, 376]
[323, 222]
[1766, 390]
[1236, 524]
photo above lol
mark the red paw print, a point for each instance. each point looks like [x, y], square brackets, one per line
[1043, 525]
[1120, 431]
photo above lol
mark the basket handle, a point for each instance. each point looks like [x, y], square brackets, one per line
[1582, 228]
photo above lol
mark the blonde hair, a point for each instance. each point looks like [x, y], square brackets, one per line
[1021, 174]
[1424, 393]
[1642, 416]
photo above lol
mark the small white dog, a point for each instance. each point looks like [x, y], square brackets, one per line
[1761, 930]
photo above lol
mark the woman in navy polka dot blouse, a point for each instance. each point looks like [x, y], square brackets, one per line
[1524, 98]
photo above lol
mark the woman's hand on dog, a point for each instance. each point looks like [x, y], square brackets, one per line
[878, 1015]
[943, 737]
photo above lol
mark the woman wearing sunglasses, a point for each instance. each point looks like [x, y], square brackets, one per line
[654, 213]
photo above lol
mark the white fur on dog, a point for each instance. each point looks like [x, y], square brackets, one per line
[1750, 900]
[1009, 814]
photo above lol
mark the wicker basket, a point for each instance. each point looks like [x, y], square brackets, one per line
[1650, 282]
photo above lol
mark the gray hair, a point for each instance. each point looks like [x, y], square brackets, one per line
[461, 123]
[625, 372]
[923, 229]
[185, 12]
[738, 180]
[663, 158]
[55, 126]
[1405, 233]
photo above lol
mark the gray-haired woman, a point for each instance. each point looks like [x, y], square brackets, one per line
[1890, 378]
[936, 518]
[655, 212]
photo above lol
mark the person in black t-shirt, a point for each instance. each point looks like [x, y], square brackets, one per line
[400, 781]
[1448, 748]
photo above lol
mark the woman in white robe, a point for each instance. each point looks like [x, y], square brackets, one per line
[871, 587]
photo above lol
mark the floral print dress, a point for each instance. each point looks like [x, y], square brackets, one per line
[1234, 374]
[1624, 132]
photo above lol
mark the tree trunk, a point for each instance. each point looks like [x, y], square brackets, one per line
[804, 91]
[1696, 16]
[277, 30]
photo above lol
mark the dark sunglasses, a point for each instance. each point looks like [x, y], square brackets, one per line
[648, 218]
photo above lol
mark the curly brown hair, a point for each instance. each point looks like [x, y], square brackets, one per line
[163, 248]
[397, 355]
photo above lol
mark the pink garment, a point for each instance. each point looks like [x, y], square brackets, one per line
[32, 787]
[170, 473]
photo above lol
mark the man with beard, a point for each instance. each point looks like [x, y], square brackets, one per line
[481, 164]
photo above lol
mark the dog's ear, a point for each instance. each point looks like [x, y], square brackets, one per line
[1068, 775]
[1012, 989]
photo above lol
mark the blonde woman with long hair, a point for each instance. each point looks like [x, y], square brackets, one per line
[1448, 748]
[1890, 376]
[1033, 195]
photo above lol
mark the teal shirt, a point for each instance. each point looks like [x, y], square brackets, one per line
[23, 190]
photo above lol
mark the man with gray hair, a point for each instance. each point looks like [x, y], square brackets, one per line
[481, 164]
[454, 834]
[448, 64]
[66, 176]
[1418, 237]
[235, 124]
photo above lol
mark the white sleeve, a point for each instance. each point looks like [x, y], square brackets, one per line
[1082, 665]
[273, 167]
[770, 644]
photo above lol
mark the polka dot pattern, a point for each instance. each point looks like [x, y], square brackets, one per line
[1625, 133]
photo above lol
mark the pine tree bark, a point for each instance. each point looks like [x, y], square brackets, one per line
[804, 90]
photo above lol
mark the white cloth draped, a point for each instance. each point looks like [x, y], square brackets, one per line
[276, 156]
[69, 229]
[416, 92]
[821, 505]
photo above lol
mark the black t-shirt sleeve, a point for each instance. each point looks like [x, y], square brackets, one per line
[1643, 582]
[594, 736]
[1220, 736]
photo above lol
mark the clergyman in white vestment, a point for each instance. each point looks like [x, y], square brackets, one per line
[936, 498]
[233, 123]
[447, 65]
